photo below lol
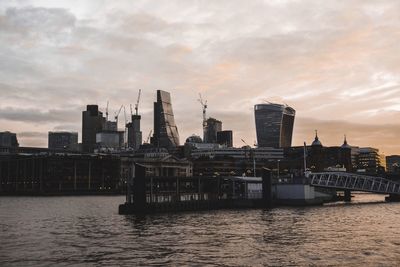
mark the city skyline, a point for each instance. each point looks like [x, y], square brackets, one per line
[334, 63]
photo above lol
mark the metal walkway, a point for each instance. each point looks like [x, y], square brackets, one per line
[354, 182]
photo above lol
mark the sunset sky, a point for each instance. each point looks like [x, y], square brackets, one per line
[337, 63]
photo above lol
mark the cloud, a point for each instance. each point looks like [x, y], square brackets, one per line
[331, 132]
[32, 135]
[37, 115]
[335, 62]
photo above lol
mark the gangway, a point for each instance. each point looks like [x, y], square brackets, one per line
[354, 182]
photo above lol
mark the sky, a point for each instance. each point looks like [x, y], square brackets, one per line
[336, 62]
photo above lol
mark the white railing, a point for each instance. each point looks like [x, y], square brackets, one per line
[354, 182]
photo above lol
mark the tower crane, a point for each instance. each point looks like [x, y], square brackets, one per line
[204, 106]
[117, 114]
[107, 111]
[130, 105]
[148, 137]
[137, 103]
[125, 129]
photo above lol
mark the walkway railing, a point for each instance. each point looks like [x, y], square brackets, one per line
[354, 182]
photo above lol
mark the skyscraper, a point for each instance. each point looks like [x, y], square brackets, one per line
[92, 123]
[213, 127]
[165, 130]
[274, 125]
[134, 133]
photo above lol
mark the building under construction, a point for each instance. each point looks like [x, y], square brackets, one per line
[133, 127]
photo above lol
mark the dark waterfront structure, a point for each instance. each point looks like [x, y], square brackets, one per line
[369, 160]
[225, 138]
[234, 161]
[59, 173]
[92, 123]
[165, 131]
[134, 133]
[147, 194]
[393, 164]
[213, 127]
[318, 158]
[274, 125]
[8, 139]
[63, 140]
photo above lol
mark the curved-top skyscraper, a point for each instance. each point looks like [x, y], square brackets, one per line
[274, 125]
[165, 130]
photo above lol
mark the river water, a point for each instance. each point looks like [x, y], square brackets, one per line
[68, 231]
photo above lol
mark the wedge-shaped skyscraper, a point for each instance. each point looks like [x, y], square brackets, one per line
[274, 125]
[165, 130]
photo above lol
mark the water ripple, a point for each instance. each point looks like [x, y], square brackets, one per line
[67, 231]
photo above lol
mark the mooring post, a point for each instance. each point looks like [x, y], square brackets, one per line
[139, 188]
[89, 174]
[347, 195]
[74, 175]
[129, 184]
[266, 188]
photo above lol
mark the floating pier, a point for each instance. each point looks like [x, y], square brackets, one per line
[173, 193]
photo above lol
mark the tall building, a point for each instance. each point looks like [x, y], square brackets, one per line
[393, 164]
[134, 133]
[274, 125]
[8, 139]
[213, 127]
[165, 130]
[369, 159]
[63, 140]
[225, 138]
[92, 123]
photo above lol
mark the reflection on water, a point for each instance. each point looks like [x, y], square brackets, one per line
[88, 231]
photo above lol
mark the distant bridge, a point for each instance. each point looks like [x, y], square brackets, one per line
[354, 182]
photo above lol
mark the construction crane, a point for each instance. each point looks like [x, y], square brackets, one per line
[125, 129]
[117, 114]
[148, 137]
[137, 103]
[107, 111]
[130, 105]
[204, 106]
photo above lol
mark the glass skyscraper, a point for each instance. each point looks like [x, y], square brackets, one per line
[165, 130]
[274, 125]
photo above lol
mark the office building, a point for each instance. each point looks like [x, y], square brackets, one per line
[165, 131]
[213, 127]
[225, 138]
[393, 164]
[109, 140]
[8, 139]
[369, 160]
[63, 140]
[134, 133]
[274, 125]
[92, 123]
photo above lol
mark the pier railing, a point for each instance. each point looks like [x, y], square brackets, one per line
[354, 182]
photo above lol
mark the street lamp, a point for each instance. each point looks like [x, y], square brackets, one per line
[278, 167]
